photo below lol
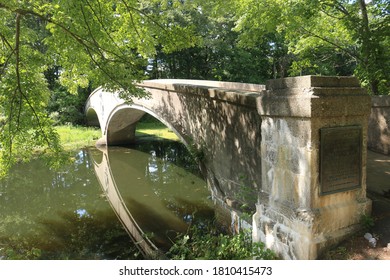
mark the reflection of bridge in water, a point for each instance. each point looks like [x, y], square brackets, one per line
[270, 141]
[152, 197]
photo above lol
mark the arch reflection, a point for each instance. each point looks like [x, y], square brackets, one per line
[152, 196]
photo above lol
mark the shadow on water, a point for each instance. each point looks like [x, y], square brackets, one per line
[47, 214]
[153, 196]
[86, 236]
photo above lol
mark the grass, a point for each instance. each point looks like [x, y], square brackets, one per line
[76, 137]
[156, 129]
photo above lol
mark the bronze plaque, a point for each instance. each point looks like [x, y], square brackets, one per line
[341, 155]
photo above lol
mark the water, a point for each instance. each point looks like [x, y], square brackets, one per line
[100, 205]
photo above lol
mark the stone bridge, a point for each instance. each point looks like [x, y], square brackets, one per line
[293, 150]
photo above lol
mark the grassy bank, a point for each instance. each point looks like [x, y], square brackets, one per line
[156, 129]
[76, 137]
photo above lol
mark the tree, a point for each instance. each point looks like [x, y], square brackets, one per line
[217, 56]
[91, 41]
[335, 30]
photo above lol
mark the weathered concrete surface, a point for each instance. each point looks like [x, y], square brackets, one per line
[216, 120]
[379, 125]
[292, 217]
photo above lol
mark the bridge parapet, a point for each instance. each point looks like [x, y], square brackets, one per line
[237, 93]
[172, 85]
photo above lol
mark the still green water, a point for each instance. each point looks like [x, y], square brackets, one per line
[71, 214]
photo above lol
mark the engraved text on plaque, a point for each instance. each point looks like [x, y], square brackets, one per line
[340, 162]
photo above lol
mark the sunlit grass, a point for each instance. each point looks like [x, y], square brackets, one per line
[75, 137]
[156, 129]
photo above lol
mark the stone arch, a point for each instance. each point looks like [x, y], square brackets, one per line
[219, 126]
[92, 117]
[121, 124]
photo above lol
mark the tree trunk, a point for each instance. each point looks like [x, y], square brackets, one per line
[367, 52]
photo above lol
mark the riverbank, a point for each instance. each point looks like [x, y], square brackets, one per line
[76, 137]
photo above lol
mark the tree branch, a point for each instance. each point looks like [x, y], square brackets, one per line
[75, 36]
[19, 89]
[6, 41]
[90, 32]
[99, 19]
[2, 71]
[8, 44]
[353, 55]
[339, 6]
[129, 8]
[17, 65]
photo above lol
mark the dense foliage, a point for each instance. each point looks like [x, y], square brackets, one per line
[50, 49]
[207, 243]
[89, 41]
[327, 37]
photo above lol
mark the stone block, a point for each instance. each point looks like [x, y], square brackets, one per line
[303, 82]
